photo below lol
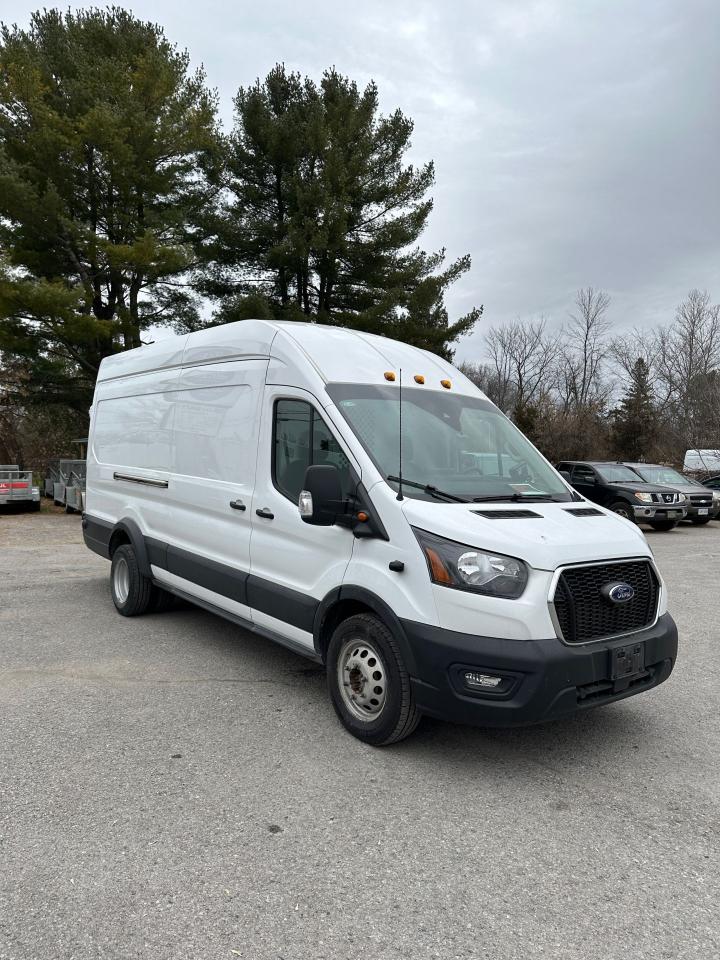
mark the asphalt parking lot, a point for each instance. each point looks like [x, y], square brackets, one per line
[171, 787]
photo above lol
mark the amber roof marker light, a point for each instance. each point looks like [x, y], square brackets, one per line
[389, 375]
[446, 383]
[419, 378]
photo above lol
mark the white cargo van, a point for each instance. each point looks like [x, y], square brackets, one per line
[255, 470]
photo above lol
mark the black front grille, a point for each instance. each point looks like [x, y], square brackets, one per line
[585, 614]
[700, 498]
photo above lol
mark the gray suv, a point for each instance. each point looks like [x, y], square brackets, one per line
[703, 504]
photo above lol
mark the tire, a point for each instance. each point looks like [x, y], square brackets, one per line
[162, 600]
[663, 524]
[623, 509]
[131, 591]
[70, 509]
[699, 521]
[373, 700]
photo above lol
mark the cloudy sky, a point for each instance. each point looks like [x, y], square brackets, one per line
[574, 140]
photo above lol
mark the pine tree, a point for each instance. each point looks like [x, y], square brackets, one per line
[325, 215]
[635, 421]
[108, 155]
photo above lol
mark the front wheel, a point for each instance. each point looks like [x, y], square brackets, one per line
[369, 685]
[131, 591]
[663, 524]
[623, 509]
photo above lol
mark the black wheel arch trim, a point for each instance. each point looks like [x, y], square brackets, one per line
[373, 602]
[137, 540]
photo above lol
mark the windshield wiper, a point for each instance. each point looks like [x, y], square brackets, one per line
[433, 491]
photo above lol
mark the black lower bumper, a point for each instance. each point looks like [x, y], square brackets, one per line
[545, 679]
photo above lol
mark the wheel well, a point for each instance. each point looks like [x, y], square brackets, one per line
[118, 538]
[335, 615]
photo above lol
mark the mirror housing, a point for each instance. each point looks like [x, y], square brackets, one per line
[321, 499]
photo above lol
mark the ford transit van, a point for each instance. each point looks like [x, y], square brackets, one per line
[363, 503]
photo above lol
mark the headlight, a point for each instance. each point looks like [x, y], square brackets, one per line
[466, 568]
[716, 494]
[644, 497]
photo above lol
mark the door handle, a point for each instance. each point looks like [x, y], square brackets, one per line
[264, 512]
[237, 505]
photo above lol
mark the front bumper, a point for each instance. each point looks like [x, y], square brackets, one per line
[711, 509]
[653, 512]
[548, 678]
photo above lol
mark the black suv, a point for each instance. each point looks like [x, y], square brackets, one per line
[620, 489]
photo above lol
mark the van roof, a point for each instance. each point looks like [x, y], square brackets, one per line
[336, 354]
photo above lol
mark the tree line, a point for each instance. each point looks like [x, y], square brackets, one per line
[582, 390]
[125, 207]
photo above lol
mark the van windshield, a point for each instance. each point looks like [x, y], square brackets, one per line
[461, 446]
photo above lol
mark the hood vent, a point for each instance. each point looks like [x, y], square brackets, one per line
[584, 512]
[508, 514]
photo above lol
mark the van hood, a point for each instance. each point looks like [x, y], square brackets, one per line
[551, 537]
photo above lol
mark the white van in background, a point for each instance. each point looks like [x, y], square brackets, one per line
[702, 461]
[254, 469]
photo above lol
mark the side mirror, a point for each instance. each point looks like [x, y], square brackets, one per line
[565, 474]
[321, 498]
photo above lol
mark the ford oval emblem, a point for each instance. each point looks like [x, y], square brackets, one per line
[618, 592]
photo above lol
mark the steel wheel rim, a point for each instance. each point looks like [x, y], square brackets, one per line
[623, 512]
[362, 679]
[121, 580]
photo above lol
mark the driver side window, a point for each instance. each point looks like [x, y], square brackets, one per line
[301, 438]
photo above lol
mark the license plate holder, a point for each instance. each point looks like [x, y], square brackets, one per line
[703, 512]
[627, 662]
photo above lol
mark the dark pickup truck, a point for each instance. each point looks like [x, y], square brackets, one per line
[620, 489]
[702, 504]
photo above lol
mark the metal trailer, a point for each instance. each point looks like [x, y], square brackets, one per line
[75, 487]
[52, 477]
[16, 487]
[63, 477]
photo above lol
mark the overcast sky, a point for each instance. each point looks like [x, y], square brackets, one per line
[574, 140]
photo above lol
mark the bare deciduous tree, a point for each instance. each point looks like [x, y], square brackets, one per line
[690, 347]
[521, 355]
[580, 378]
[484, 376]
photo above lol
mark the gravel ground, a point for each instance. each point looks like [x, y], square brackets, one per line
[171, 787]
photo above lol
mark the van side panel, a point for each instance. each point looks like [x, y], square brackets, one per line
[131, 437]
[214, 447]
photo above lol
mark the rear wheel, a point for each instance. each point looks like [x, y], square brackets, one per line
[663, 524]
[699, 521]
[369, 685]
[623, 509]
[131, 591]
[162, 600]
